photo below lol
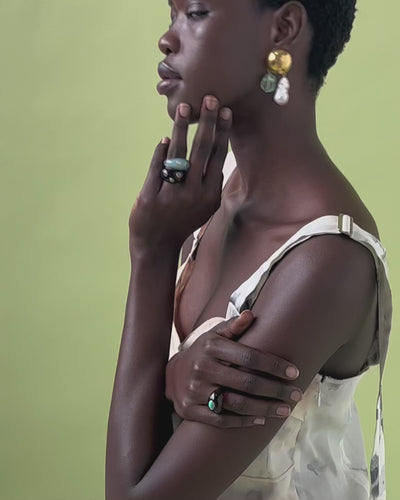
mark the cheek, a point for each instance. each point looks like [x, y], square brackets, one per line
[223, 65]
[227, 66]
[235, 57]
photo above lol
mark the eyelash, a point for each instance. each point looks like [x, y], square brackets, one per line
[197, 14]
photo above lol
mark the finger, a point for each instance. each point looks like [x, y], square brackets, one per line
[178, 145]
[247, 383]
[240, 403]
[204, 415]
[234, 327]
[252, 359]
[153, 181]
[203, 140]
[244, 405]
[213, 177]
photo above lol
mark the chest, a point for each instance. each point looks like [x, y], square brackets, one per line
[229, 252]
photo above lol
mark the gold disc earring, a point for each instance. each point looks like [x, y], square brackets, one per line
[278, 63]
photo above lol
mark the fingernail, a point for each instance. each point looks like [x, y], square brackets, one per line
[165, 140]
[244, 312]
[245, 316]
[211, 103]
[295, 396]
[292, 372]
[259, 421]
[225, 113]
[283, 411]
[184, 110]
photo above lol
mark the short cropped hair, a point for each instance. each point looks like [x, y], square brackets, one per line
[332, 22]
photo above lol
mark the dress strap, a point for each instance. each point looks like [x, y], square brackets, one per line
[246, 295]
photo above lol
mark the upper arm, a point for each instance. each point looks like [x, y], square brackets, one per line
[311, 305]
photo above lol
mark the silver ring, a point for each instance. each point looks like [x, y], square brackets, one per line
[215, 401]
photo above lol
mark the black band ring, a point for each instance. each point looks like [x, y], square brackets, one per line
[172, 176]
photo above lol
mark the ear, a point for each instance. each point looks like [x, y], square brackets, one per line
[288, 25]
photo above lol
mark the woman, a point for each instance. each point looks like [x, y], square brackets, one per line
[275, 279]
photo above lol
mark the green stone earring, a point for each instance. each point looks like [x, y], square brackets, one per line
[268, 83]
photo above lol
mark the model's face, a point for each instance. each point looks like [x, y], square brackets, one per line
[216, 46]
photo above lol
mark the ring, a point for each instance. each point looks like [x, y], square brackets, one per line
[175, 170]
[215, 401]
[172, 176]
[177, 164]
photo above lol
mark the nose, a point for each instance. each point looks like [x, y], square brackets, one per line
[169, 42]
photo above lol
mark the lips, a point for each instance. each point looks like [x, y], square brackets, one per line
[166, 72]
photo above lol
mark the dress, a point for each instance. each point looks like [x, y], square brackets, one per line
[318, 453]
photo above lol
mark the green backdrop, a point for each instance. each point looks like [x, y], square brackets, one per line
[80, 118]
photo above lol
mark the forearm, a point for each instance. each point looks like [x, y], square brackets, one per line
[140, 415]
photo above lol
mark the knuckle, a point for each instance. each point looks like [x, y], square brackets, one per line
[186, 403]
[238, 404]
[194, 386]
[276, 365]
[219, 344]
[282, 392]
[208, 346]
[221, 147]
[248, 383]
[247, 358]
[199, 366]
[203, 147]
[180, 123]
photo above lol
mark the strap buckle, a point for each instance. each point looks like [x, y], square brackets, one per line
[345, 224]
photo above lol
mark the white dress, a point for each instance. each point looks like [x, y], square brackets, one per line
[318, 453]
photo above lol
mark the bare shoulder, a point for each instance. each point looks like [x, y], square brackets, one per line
[335, 194]
[315, 303]
[329, 285]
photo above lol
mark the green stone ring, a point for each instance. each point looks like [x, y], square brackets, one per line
[180, 164]
[215, 401]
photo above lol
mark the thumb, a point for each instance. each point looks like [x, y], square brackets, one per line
[236, 326]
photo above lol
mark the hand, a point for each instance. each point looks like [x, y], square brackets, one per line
[216, 360]
[167, 213]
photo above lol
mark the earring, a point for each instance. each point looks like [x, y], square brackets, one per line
[279, 63]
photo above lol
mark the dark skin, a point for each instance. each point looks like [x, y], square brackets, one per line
[284, 179]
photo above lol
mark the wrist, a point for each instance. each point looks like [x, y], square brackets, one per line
[165, 251]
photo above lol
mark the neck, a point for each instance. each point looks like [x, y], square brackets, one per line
[275, 147]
